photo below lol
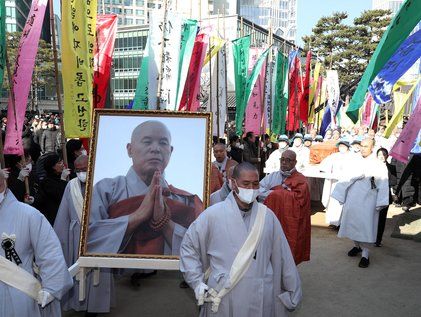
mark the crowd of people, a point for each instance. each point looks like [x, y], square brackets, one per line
[260, 198]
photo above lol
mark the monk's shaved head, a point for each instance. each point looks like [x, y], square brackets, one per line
[220, 152]
[147, 125]
[367, 146]
[288, 160]
[243, 167]
[220, 146]
[82, 160]
[290, 155]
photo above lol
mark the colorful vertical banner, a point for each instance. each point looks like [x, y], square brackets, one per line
[367, 110]
[253, 116]
[188, 35]
[403, 23]
[281, 96]
[218, 93]
[22, 77]
[295, 92]
[410, 133]
[406, 55]
[141, 96]
[3, 46]
[78, 24]
[216, 44]
[314, 91]
[400, 100]
[189, 100]
[304, 103]
[241, 49]
[333, 94]
[106, 29]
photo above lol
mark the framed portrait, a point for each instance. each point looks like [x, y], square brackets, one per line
[147, 182]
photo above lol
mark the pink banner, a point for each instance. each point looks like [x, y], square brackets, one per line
[190, 100]
[254, 107]
[405, 142]
[22, 76]
[368, 104]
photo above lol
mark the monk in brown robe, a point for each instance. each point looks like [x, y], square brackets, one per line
[141, 209]
[287, 193]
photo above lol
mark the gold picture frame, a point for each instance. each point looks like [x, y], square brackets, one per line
[191, 121]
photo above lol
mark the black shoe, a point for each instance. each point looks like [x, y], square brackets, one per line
[378, 244]
[183, 284]
[354, 251]
[406, 208]
[364, 263]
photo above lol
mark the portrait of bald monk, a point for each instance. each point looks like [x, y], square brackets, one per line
[140, 213]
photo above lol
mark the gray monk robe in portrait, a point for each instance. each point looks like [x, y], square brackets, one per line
[28, 242]
[99, 297]
[264, 280]
[141, 211]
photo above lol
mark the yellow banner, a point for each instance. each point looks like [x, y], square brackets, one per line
[313, 89]
[216, 44]
[400, 99]
[78, 42]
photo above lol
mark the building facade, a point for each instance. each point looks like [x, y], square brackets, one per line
[392, 5]
[281, 15]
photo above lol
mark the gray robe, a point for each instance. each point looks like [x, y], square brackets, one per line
[35, 242]
[270, 286]
[219, 195]
[268, 182]
[67, 226]
[112, 190]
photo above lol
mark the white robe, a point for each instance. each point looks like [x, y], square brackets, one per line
[67, 226]
[338, 165]
[273, 163]
[220, 195]
[35, 241]
[270, 286]
[361, 202]
[110, 191]
[303, 157]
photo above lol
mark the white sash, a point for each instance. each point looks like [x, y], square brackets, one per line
[15, 276]
[242, 261]
[77, 198]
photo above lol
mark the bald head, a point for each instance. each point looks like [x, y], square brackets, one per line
[220, 152]
[81, 163]
[146, 126]
[244, 167]
[288, 160]
[150, 149]
[367, 146]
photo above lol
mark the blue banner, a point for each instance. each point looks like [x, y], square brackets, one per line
[406, 55]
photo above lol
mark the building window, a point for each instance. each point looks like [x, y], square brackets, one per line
[128, 2]
[128, 11]
[129, 21]
[140, 2]
[140, 21]
[140, 12]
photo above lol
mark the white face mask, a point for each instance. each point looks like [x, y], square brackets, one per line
[238, 144]
[343, 149]
[247, 195]
[282, 145]
[84, 152]
[81, 176]
[29, 167]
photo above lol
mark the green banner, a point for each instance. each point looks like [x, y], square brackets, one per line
[188, 35]
[141, 95]
[3, 46]
[281, 99]
[241, 48]
[397, 32]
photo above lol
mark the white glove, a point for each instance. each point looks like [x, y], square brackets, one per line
[44, 298]
[24, 172]
[65, 174]
[199, 292]
[6, 172]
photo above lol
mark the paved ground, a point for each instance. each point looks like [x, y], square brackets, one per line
[333, 284]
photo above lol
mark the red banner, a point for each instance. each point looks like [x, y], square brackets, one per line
[306, 93]
[295, 92]
[106, 29]
[189, 100]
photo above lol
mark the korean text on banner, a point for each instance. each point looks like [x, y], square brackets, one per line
[78, 27]
[22, 76]
[106, 28]
[403, 23]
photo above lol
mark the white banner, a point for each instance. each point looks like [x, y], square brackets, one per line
[333, 94]
[164, 58]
